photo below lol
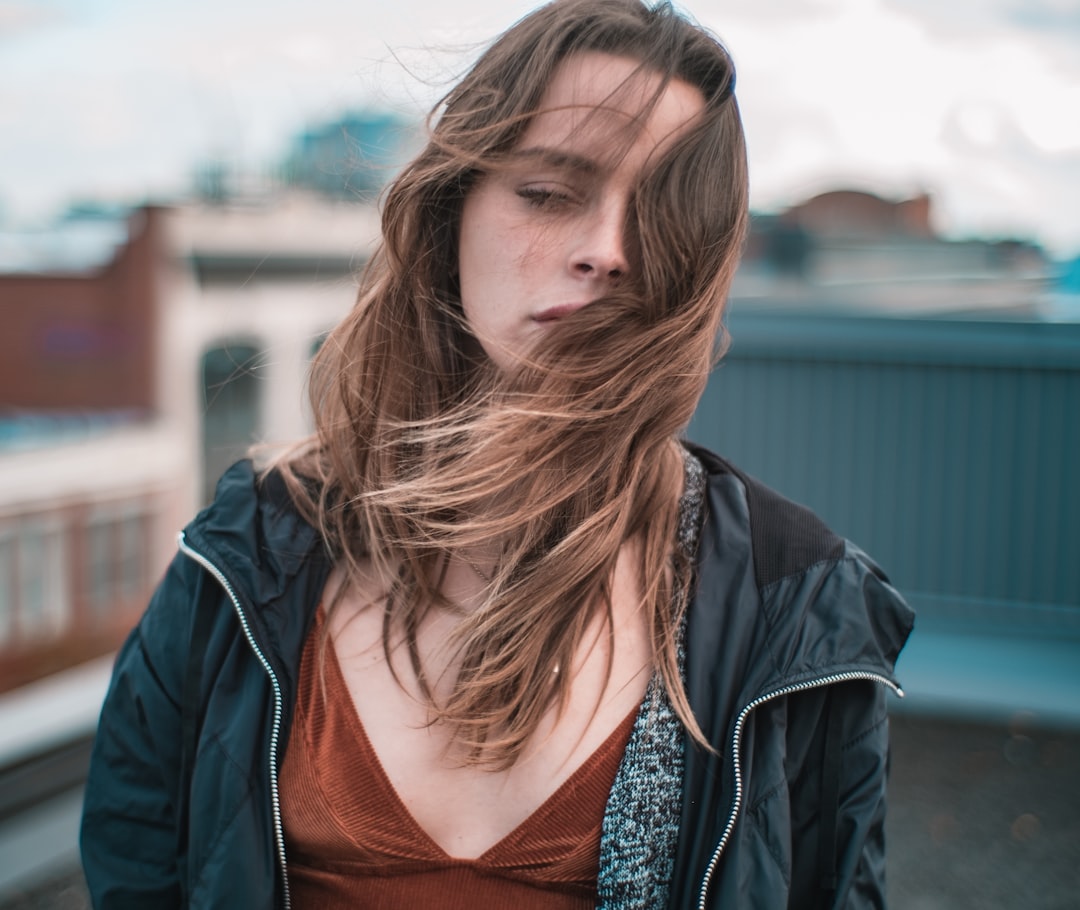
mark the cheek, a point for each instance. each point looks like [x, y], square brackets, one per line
[478, 274]
[482, 241]
[469, 240]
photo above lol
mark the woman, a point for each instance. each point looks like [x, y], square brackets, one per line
[494, 637]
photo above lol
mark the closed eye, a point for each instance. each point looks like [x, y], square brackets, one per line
[545, 197]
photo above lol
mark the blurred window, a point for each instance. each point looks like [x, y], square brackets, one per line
[32, 575]
[115, 569]
[131, 575]
[42, 597]
[99, 564]
[231, 408]
[7, 585]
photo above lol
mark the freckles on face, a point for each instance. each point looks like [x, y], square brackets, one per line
[547, 234]
[497, 256]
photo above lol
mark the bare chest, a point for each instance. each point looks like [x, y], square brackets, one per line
[467, 809]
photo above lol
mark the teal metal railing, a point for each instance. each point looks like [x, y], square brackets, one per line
[948, 449]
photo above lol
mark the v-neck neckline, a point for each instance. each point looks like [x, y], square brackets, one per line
[342, 701]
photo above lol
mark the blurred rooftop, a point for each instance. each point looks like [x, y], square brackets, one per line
[69, 245]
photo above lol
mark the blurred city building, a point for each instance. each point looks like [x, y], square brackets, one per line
[851, 250]
[129, 381]
[1063, 298]
[143, 352]
[251, 293]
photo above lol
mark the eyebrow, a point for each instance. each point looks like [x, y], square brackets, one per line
[558, 158]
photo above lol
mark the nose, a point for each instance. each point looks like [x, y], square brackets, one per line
[599, 252]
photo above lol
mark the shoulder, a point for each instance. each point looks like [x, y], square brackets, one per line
[784, 537]
[821, 602]
[249, 503]
[253, 531]
[251, 543]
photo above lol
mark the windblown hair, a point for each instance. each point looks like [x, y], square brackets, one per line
[423, 449]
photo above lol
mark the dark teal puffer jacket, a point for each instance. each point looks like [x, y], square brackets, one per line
[791, 640]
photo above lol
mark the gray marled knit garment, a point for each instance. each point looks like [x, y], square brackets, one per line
[641, 822]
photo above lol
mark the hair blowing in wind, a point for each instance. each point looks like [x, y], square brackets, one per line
[424, 448]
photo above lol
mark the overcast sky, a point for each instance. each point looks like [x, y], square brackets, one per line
[974, 101]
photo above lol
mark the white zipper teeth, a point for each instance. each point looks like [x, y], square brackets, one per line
[275, 733]
[736, 737]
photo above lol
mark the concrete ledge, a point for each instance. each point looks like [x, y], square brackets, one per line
[993, 670]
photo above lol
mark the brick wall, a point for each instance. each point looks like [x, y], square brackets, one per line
[83, 341]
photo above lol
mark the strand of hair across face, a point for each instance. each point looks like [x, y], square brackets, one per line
[420, 452]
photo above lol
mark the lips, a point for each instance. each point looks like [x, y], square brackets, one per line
[551, 314]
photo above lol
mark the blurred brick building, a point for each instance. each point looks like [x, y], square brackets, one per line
[84, 341]
[854, 250]
[128, 384]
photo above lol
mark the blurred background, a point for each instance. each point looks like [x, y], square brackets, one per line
[187, 192]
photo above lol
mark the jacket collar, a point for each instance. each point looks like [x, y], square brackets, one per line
[274, 560]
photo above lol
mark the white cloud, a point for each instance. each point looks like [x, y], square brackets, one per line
[867, 94]
[893, 95]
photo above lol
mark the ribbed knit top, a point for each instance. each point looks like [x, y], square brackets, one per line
[351, 841]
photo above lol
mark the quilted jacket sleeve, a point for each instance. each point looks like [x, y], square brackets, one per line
[129, 836]
[830, 849]
[854, 775]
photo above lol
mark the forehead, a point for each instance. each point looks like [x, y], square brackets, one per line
[595, 98]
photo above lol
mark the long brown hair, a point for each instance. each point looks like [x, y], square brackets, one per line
[423, 449]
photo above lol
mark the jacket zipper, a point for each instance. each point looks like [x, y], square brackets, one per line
[736, 742]
[736, 738]
[275, 732]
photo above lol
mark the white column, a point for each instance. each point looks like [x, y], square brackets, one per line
[282, 406]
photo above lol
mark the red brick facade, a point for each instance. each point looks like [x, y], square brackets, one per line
[83, 341]
[864, 214]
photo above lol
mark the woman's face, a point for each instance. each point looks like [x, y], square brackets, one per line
[547, 235]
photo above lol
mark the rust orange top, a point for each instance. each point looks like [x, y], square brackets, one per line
[351, 842]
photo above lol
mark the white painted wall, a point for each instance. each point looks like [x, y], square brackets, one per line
[280, 317]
